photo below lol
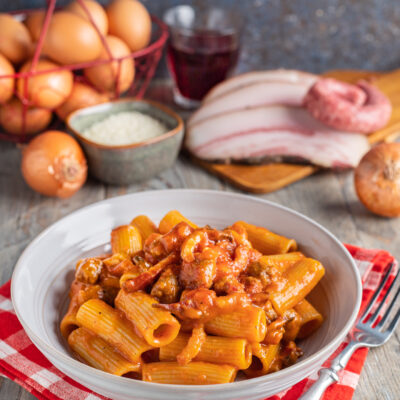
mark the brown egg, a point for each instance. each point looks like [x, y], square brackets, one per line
[71, 40]
[82, 95]
[34, 23]
[11, 118]
[48, 90]
[96, 11]
[6, 84]
[15, 40]
[104, 76]
[130, 21]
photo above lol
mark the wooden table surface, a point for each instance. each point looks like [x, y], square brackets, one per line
[327, 197]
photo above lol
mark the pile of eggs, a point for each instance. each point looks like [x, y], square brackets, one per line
[72, 38]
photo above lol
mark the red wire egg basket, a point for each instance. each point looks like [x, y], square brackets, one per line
[146, 61]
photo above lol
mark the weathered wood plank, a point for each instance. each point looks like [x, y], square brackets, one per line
[10, 391]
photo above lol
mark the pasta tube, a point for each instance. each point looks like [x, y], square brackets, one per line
[215, 349]
[310, 318]
[194, 373]
[248, 323]
[79, 294]
[262, 359]
[266, 241]
[300, 279]
[171, 219]
[126, 239]
[144, 225]
[99, 354]
[281, 261]
[106, 322]
[158, 327]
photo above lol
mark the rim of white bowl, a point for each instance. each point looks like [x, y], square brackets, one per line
[324, 352]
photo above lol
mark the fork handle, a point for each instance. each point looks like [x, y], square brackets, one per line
[328, 376]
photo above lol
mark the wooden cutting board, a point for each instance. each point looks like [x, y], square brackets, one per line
[270, 177]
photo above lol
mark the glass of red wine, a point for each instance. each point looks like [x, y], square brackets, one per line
[202, 50]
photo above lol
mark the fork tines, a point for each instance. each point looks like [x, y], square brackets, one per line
[367, 320]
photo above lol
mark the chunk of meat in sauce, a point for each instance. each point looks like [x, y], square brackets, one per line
[153, 249]
[167, 288]
[289, 354]
[88, 270]
[251, 284]
[228, 284]
[172, 241]
[262, 272]
[81, 292]
[198, 274]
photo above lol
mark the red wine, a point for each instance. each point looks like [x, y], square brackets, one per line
[200, 62]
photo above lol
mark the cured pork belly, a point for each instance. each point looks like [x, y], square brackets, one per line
[260, 93]
[274, 132]
[248, 78]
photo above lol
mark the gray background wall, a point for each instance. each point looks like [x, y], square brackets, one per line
[313, 35]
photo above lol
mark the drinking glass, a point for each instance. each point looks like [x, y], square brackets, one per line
[202, 50]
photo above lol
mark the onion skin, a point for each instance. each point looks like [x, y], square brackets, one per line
[377, 180]
[6, 84]
[70, 39]
[34, 22]
[15, 42]
[53, 164]
[82, 95]
[47, 90]
[11, 118]
[96, 11]
[130, 21]
[104, 76]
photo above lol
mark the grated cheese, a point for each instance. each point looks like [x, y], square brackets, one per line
[124, 128]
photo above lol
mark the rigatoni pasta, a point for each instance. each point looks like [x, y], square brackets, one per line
[106, 322]
[98, 353]
[183, 304]
[158, 327]
[126, 239]
[144, 225]
[248, 323]
[310, 318]
[263, 356]
[215, 349]
[300, 279]
[195, 373]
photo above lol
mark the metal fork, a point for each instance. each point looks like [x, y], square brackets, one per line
[366, 334]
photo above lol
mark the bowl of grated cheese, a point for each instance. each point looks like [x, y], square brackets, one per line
[127, 140]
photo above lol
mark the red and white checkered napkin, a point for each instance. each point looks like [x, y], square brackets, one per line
[22, 362]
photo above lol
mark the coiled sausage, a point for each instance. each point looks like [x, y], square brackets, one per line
[356, 108]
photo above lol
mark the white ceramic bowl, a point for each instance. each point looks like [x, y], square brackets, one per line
[45, 270]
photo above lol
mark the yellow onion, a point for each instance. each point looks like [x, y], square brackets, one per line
[96, 11]
[15, 40]
[104, 76]
[71, 40]
[53, 164]
[11, 118]
[6, 84]
[377, 180]
[34, 22]
[48, 90]
[130, 21]
[82, 95]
